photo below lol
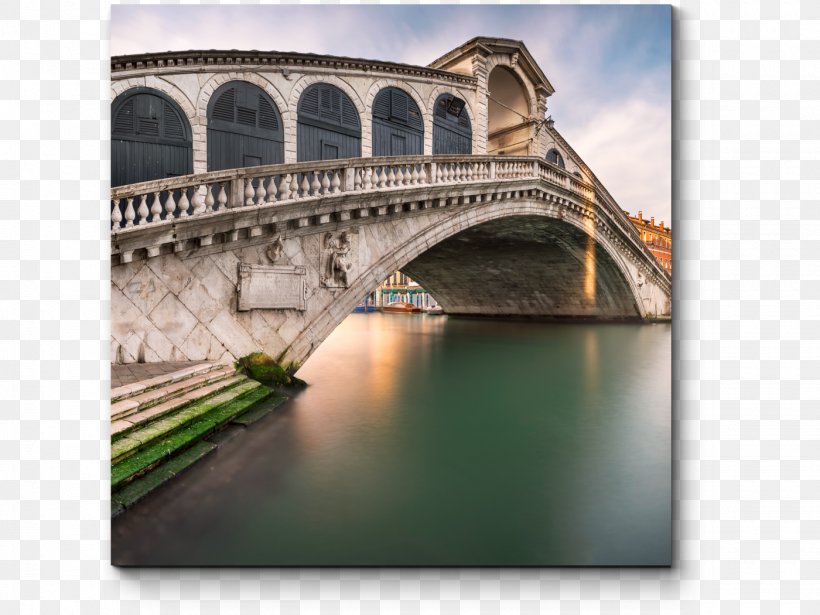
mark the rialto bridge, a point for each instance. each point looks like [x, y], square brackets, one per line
[258, 197]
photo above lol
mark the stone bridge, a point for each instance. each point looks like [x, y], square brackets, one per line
[272, 258]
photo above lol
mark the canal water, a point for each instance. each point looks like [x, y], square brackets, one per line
[428, 440]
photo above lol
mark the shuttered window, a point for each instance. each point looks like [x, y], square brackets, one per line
[555, 157]
[327, 104]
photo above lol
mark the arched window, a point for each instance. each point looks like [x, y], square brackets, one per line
[328, 125]
[452, 132]
[244, 128]
[555, 157]
[150, 138]
[398, 128]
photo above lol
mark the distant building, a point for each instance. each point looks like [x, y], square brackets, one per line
[658, 238]
[400, 287]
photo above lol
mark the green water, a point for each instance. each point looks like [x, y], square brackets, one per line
[424, 440]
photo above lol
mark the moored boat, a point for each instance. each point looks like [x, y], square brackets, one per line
[401, 307]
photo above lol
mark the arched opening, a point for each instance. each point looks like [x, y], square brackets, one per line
[328, 125]
[150, 138]
[528, 266]
[244, 128]
[452, 131]
[398, 128]
[555, 157]
[508, 114]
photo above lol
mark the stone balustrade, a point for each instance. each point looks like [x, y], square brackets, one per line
[159, 203]
[193, 195]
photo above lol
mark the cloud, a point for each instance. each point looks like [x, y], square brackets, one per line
[629, 147]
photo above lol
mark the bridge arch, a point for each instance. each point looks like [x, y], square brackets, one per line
[585, 229]
[511, 104]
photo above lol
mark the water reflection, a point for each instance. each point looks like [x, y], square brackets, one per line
[428, 440]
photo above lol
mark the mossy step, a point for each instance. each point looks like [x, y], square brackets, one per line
[260, 410]
[181, 439]
[133, 422]
[135, 388]
[165, 426]
[139, 488]
[157, 395]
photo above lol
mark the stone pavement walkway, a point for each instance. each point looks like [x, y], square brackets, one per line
[136, 372]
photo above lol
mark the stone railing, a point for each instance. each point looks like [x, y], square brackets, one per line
[165, 200]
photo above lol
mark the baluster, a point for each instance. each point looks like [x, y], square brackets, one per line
[336, 182]
[391, 178]
[197, 202]
[422, 174]
[399, 176]
[260, 191]
[294, 187]
[470, 170]
[462, 171]
[451, 171]
[382, 177]
[368, 178]
[271, 195]
[170, 206]
[129, 212]
[325, 182]
[116, 215]
[209, 199]
[221, 198]
[184, 204]
[143, 210]
[314, 185]
[249, 191]
[414, 176]
[439, 174]
[284, 187]
[156, 208]
[357, 180]
[305, 186]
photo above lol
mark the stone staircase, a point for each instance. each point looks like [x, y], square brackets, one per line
[161, 426]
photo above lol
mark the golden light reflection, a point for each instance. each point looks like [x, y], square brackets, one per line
[590, 280]
[591, 358]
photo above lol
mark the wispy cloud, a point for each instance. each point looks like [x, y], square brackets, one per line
[610, 65]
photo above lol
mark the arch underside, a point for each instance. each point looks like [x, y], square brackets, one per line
[524, 266]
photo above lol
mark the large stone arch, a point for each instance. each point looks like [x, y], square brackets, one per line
[496, 60]
[293, 104]
[405, 86]
[438, 230]
[219, 79]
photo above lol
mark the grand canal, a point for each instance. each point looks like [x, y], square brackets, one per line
[439, 441]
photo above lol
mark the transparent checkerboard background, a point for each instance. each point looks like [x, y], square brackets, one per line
[747, 351]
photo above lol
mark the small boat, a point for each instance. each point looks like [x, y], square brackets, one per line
[364, 308]
[434, 310]
[400, 307]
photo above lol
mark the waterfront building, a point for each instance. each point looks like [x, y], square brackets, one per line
[401, 287]
[658, 238]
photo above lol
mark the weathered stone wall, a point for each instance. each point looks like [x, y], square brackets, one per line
[177, 307]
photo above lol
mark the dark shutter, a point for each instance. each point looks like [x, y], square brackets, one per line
[150, 138]
[398, 128]
[244, 128]
[328, 124]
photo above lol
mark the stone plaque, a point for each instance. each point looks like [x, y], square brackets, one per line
[271, 287]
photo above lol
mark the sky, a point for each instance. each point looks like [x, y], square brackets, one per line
[610, 65]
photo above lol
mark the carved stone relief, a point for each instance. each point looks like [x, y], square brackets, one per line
[337, 260]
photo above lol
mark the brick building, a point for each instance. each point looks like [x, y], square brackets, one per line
[658, 238]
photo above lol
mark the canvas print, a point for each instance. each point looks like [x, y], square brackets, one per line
[391, 286]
